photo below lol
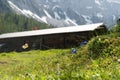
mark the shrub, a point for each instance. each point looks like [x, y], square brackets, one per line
[104, 46]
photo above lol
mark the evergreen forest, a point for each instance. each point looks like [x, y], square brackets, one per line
[10, 22]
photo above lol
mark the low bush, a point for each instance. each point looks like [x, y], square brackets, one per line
[104, 46]
[98, 60]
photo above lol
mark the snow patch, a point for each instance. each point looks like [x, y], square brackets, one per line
[47, 14]
[25, 12]
[56, 0]
[44, 19]
[13, 6]
[69, 21]
[89, 7]
[46, 6]
[77, 13]
[98, 2]
[99, 15]
[114, 17]
[87, 19]
[114, 1]
[56, 6]
[102, 8]
[33, 15]
[56, 15]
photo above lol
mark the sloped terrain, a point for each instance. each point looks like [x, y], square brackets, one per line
[11, 22]
[68, 12]
[61, 13]
[98, 60]
[4, 6]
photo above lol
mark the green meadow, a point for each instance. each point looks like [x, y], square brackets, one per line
[98, 60]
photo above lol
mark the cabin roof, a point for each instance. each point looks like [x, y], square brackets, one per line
[71, 29]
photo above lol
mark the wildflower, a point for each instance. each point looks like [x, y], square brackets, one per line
[73, 51]
[99, 39]
[119, 60]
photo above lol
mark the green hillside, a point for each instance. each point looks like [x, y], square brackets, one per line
[98, 60]
[10, 22]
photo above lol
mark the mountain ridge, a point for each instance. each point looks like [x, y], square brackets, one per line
[68, 13]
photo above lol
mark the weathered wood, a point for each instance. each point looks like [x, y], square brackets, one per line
[64, 40]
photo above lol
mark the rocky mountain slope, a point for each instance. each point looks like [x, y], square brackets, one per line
[4, 6]
[68, 12]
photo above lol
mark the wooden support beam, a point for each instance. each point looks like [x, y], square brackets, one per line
[41, 43]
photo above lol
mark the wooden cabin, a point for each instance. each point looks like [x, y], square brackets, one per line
[54, 38]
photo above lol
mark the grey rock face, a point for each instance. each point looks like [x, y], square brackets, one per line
[68, 12]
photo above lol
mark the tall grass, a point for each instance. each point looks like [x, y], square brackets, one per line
[98, 60]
